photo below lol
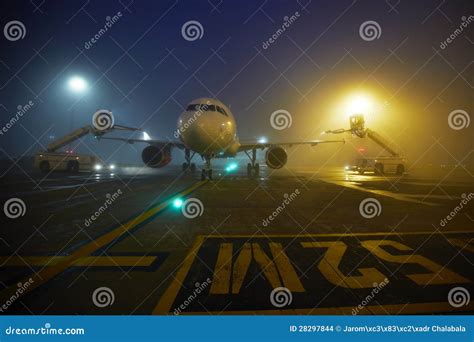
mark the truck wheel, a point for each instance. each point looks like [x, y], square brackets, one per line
[400, 169]
[44, 166]
[379, 169]
[73, 166]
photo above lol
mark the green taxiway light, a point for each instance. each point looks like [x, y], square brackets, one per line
[231, 167]
[177, 203]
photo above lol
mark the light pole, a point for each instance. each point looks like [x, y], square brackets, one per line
[78, 86]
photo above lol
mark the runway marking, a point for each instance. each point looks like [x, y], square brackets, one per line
[91, 261]
[385, 193]
[329, 267]
[250, 266]
[280, 268]
[438, 275]
[49, 272]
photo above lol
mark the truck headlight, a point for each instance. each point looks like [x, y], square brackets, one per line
[97, 167]
[112, 166]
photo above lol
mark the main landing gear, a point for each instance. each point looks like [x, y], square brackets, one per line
[207, 171]
[252, 166]
[187, 165]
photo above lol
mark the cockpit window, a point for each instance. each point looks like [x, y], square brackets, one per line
[196, 107]
[204, 107]
[201, 107]
[221, 110]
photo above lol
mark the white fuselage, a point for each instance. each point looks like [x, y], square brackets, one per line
[208, 127]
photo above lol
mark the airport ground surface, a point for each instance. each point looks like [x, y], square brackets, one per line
[153, 259]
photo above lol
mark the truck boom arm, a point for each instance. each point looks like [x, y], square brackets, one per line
[80, 132]
[357, 123]
[68, 138]
[379, 140]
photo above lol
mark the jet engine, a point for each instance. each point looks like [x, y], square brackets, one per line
[156, 156]
[276, 157]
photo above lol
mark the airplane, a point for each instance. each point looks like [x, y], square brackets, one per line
[207, 127]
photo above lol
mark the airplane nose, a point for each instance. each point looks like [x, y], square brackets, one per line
[199, 136]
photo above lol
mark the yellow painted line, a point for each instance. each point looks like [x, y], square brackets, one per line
[287, 272]
[242, 263]
[385, 193]
[50, 272]
[388, 309]
[91, 261]
[225, 236]
[222, 270]
[167, 299]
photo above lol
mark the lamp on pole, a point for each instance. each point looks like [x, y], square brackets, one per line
[78, 86]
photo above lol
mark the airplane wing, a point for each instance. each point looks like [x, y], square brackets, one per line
[177, 144]
[246, 146]
[103, 122]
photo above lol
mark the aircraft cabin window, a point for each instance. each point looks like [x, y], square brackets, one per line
[221, 110]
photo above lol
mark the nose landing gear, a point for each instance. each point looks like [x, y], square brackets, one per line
[207, 171]
[187, 165]
[206, 174]
[253, 165]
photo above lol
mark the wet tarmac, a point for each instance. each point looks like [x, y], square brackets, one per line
[165, 242]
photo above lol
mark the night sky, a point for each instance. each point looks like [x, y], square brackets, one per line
[144, 70]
